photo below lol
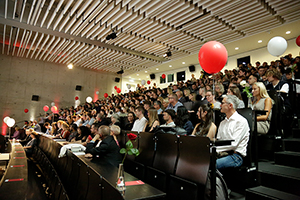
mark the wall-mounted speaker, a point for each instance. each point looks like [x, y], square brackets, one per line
[78, 87]
[192, 68]
[35, 98]
[152, 76]
[117, 79]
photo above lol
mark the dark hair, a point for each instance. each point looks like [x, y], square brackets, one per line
[74, 126]
[255, 76]
[171, 113]
[205, 125]
[158, 103]
[85, 131]
[182, 116]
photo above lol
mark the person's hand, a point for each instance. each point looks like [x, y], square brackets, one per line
[97, 137]
[88, 155]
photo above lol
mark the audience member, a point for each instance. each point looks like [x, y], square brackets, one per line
[169, 116]
[182, 120]
[206, 127]
[153, 120]
[130, 121]
[141, 121]
[173, 102]
[211, 99]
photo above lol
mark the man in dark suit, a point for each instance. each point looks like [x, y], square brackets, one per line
[104, 146]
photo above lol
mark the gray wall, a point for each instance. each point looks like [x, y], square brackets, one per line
[21, 78]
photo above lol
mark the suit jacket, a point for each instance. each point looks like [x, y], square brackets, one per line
[108, 150]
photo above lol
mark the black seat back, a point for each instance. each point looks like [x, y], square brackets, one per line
[146, 148]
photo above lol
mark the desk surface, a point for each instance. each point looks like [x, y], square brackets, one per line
[4, 156]
[109, 173]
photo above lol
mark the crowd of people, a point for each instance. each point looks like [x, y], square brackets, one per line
[96, 124]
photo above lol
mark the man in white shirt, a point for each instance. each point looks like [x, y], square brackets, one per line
[233, 127]
[141, 121]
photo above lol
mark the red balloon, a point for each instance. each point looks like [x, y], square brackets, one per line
[298, 40]
[105, 95]
[118, 90]
[76, 98]
[148, 82]
[163, 76]
[116, 87]
[54, 109]
[26, 110]
[212, 57]
[46, 108]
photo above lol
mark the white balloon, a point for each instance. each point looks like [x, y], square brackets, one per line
[10, 122]
[89, 99]
[128, 86]
[143, 82]
[97, 92]
[77, 102]
[52, 104]
[277, 46]
[5, 119]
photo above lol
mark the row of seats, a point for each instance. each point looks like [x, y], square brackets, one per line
[79, 180]
[177, 165]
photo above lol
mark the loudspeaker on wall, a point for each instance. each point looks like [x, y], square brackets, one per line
[192, 68]
[117, 79]
[152, 76]
[35, 98]
[78, 87]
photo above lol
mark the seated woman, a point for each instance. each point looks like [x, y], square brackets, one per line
[211, 99]
[82, 133]
[219, 89]
[130, 119]
[54, 128]
[206, 128]
[153, 120]
[234, 90]
[182, 120]
[262, 101]
[115, 120]
[65, 132]
[29, 147]
[73, 132]
[17, 134]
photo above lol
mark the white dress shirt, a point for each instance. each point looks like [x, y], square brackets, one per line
[139, 124]
[235, 128]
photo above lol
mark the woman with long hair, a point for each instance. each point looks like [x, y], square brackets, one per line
[182, 120]
[54, 128]
[153, 120]
[130, 121]
[206, 127]
[262, 101]
[234, 90]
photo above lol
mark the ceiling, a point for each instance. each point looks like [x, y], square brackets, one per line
[75, 31]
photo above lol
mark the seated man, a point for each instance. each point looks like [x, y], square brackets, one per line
[233, 127]
[107, 149]
[141, 121]
[48, 128]
[173, 102]
[169, 115]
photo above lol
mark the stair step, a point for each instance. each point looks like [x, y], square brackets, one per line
[296, 132]
[264, 193]
[287, 158]
[280, 177]
[291, 144]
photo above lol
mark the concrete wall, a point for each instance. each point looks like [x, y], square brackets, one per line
[21, 78]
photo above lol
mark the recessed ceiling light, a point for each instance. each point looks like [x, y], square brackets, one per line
[147, 76]
[236, 48]
[70, 66]
[137, 74]
[145, 71]
[288, 32]
[183, 63]
[259, 41]
[157, 69]
[170, 65]
[139, 79]
[129, 76]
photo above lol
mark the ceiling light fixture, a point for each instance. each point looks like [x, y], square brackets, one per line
[157, 69]
[288, 32]
[137, 74]
[183, 63]
[170, 65]
[70, 66]
[236, 48]
[168, 54]
[146, 71]
[259, 41]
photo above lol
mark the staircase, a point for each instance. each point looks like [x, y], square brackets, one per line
[280, 179]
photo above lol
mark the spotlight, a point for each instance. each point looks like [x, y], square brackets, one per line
[120, 72]
[112, 36]
[167, 54]
[70, 66]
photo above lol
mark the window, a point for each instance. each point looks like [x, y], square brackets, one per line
[170, 78]
[181, 76]
[162, 80]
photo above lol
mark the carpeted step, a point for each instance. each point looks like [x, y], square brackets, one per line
[291, 144]
[287, 158]
[265, 193]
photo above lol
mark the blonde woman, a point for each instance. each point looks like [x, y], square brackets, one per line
[262, 101]
[219, 90]
[170, 91]
[153, 120]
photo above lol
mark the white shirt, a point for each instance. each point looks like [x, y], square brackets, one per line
[139, 124]
[171, 124]
[235, 128]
